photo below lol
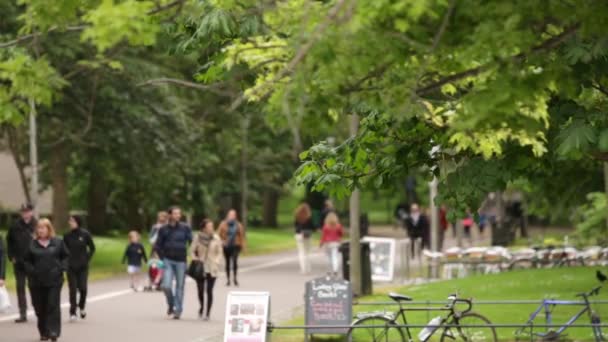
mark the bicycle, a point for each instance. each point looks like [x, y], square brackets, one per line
[456, 325]
[548, 304]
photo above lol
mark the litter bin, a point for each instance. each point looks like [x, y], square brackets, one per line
[366, 268]
[363, 225]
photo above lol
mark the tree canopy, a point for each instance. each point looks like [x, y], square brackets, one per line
[483, 95]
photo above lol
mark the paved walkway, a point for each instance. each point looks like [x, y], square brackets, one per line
[117, 314]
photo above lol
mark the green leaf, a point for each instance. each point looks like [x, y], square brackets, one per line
[576, 138]
[603, 141]
[112, 23]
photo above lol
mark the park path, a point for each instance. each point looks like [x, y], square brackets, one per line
[117, 314]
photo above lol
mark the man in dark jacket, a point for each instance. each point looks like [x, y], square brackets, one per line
[79, 243]
[172, 247]
[18, 242]
[417, 225]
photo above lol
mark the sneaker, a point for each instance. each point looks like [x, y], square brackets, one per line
[176, 317]
[236, 283]
[44, 338]
[73, 318]
[83, 314]
[228, 282]
[21, 320]
[200, 313]
[206, 319]
[170, 312]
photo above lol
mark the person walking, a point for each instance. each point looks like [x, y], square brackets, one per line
[207, 248]
[418, 227]
[79, 243]
[161, 220]
[18, 242]
[467, 223]
[135, 256]
[443, 225]
[328, 207]
[2, 263]
[172, 248]
[232, 233]
[45, 262]
[331, 236]
[304, 228]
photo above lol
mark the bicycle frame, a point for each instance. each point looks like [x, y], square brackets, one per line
[546, 306]
[402, 310]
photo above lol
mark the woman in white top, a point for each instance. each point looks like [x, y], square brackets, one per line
[207, 248]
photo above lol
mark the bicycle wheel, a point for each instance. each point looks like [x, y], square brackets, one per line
[375, 329]
[522, 264]
[480, 329]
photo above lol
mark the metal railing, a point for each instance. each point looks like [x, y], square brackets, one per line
[476, 302]
[273, 327]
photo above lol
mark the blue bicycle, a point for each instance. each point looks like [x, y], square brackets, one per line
[547, 306]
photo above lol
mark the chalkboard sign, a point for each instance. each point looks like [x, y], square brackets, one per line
[329, 301]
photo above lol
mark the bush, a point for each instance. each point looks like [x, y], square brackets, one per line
[591, 219]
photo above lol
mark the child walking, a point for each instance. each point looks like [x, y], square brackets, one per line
[330, 239]
[134, 255]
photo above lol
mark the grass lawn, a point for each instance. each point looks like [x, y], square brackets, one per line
[107, 259]
[561, 284]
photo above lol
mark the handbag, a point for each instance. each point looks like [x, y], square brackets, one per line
[5, 300]
[196, 270]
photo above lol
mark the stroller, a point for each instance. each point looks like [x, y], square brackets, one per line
[155, 274]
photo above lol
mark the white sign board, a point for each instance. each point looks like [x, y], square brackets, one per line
[382, 258]
[247, 316]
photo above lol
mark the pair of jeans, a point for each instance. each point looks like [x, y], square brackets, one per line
[231, 257]
[331, 249]
[207, 283]
[78, 284]
[303, 244]
[46, 302]
[175, 296]
[20, 282]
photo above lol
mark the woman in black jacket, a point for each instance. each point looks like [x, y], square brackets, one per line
[81, 247]
[45, 263]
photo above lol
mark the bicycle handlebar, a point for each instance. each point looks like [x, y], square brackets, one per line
[593, 292]
[454, 300]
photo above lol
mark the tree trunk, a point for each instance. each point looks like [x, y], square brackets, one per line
[606, 187]
[14, 146]
[270, 208]
[244, 179]
[355, 242]
[59, 159]
[97, 200]
[134, 217]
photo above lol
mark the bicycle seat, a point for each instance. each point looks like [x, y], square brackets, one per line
[398, 297]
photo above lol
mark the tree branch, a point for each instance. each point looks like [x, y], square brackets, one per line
[443, 26]
[375, 73]
[170, 5]
[300, 54]
[186, 84]
[600, 88]
[548, 44]
[21, 39]
[77, 28]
